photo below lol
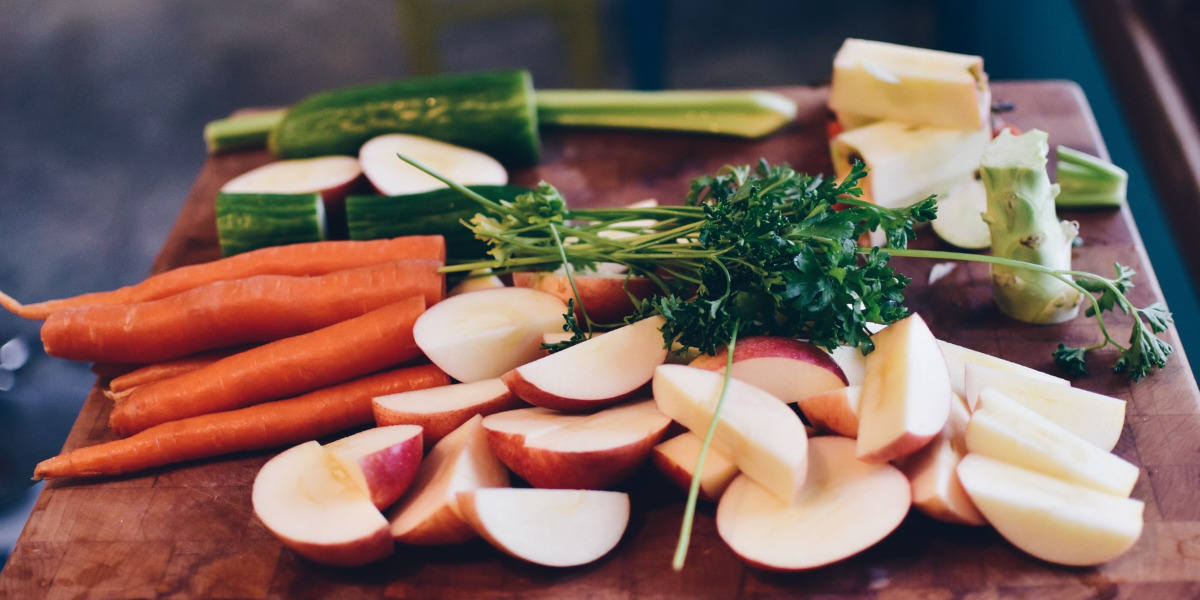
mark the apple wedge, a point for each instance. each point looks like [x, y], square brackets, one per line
[1003, 429]
[605, 296]
[394, 177]
[936, 490]
[852, 363]
[845, 507]
[1096, 418]
[677, 457]
[760, 434]
[554, 528]
[835, 411]
[306, 498]
[550, 449]
[958, 357]
[479, 279]
[906, 392]
[593, 374]
[460, 462]
[1050, 518]
[483, 334]
[440, 410]
[331, 176]
[384, 460]
[788, 369]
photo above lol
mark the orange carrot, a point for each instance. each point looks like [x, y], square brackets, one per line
[377, 340]
[315, 258]
[262, 308]
[166, 370]
[291, 421]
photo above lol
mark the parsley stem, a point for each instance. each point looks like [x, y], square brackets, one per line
[571, 278]
[454, 185]
[689, 511]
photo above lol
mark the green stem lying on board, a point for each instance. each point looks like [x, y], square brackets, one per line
[242, 132]
[689, 511]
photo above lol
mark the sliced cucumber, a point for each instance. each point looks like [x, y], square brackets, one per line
[491, 112]
[250, 221]
[960, 216]
[439, 212]
[394, 177]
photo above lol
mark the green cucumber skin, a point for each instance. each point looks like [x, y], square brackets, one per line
[492, 112]
[429, 213]
[251, 221]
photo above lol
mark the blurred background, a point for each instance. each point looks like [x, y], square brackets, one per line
[102, 106]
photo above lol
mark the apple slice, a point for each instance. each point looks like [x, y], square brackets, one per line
[845, 507]
[550, 449]
[760, 434]
[835, 411]
[677, 457]
[1003, 429]
[1096, 418]
[605, 295]
[906, 392]
[394, 177]
[936, 490]
[479, 279]
[308, 500]
[331, 176]
[1049, 518]
[460, 462]
[958, 357]
[441, 410]
[852, 363]
[788, 369]
[483, 334]
[384, 460]
[598, 372]
[554, 528]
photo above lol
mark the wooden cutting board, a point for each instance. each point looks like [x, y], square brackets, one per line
[188, 531]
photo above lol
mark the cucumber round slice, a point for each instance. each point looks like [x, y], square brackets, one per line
[960, 216]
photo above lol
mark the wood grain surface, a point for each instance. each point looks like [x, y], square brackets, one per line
[188, 531]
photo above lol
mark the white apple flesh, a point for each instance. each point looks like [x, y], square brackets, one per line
[592, 374]
[550, 449]
[906, 392]
[835, 411]
[936, 489]
[677, 458]
[440, 410]
[554, 528]
[1094, 417]
[460, 462]
[1003, 429]
[384, 460]
[394, 177]
[483, 334]
[788, 369]
[760, 434]
[479, 279]
[306, 498]
[331, 176]
[1049, 518]
[958, 357]
[845, 507]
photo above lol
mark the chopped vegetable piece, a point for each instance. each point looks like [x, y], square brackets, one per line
[1088, 181]
[750, 114]
[251, 221]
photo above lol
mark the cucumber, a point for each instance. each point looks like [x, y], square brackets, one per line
[250, 221]
[491, 112]
[749, 114]
[438, 212]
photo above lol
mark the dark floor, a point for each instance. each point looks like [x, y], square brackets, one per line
[102, 104]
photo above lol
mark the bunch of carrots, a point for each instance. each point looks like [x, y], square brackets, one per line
[267, 348]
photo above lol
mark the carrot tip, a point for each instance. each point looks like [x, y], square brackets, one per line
[10, 304]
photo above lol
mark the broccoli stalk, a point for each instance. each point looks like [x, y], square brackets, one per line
[1020, 216]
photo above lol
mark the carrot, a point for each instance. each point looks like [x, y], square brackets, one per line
[294, 420]
[377, 340]
[262, 308]
[316, 258]
[166, 370]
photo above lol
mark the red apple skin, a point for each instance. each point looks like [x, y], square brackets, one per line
[594, 470]
[436, 426]
[832, 411]
[350, 554]
[390, 471]
[538, 397]
[775, 347]
[605, 298]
